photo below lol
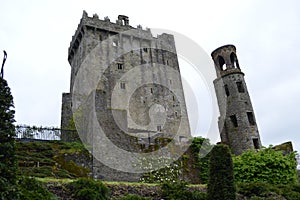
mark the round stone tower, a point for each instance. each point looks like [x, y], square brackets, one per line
[237, 123]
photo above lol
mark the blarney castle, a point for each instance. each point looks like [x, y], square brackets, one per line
[138, 99]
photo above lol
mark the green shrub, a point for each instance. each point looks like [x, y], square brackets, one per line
[197, 195]
[221, 180]
[174, 190]
[259, 189]
[266, 165]
[289, 191]
[88, 189]
[132, 197]
[31, 189]
[179, 190]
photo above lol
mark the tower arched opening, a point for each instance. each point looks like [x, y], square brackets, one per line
[234, 60]
[222, 63]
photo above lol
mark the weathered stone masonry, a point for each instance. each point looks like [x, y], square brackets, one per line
[154, 110]
[237, 123]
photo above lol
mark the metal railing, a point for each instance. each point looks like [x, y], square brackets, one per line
[37, 133]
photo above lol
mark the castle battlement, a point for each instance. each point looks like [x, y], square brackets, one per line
[120, 26]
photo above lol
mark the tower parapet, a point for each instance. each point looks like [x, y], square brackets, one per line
[237, 123]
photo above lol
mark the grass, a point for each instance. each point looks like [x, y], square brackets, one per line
[48, 159]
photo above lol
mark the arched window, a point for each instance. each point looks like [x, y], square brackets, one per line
[221, 63]
[234, 61]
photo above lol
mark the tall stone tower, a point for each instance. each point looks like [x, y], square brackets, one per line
[237, 123]
[139, 97]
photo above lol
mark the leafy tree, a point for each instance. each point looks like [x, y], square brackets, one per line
[8, 163]
[267, 165]
[221, 180]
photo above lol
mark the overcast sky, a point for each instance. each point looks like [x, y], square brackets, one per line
[36, 35]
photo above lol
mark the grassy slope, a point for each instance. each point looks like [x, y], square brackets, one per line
[47, 159]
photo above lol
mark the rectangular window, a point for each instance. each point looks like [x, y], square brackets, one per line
[234, 120]
[120, 66]
[251, 118]
[226, 90]
[151, 90]
[240, 87]
[122, 85]
[256, 143]
[145, 50]
[158, 128]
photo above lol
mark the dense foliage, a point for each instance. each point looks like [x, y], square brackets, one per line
[267, 165]
[7, 144]
[132, 197]
[201, 148]
[261, 190]
[179, 190]
[31, 189]
[221, 180]
[89, 189]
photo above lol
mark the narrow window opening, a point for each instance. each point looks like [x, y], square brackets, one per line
[120, 66]
[167, 62]
[226, 90]
[151, 90]
[251, 118]
[234, 120]
[158, 128]
[222, 63]
[122, 85]
[115, 43]
[240, 87]
[145, 50]
[173, 98]
[234, 61]
[255, 143]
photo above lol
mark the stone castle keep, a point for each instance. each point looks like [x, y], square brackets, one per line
[138, 99]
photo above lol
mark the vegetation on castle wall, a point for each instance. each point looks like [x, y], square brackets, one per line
[8, 164]
[267, 165]
[201, 148]
[48, 159]
[221, 183]
[170, 172]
